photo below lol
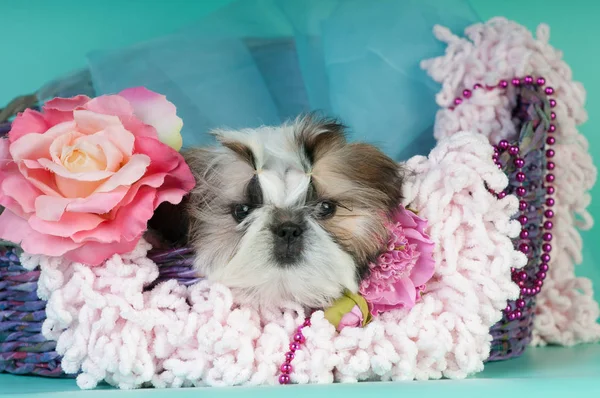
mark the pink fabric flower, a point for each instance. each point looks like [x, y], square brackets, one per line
[87, 174]
[399, 276]
[352, 319]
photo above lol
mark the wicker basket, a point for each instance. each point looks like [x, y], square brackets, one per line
[23, 349]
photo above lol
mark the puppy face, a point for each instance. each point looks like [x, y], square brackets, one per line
[291, 213]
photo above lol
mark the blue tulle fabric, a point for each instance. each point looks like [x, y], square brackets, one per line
[262, 62]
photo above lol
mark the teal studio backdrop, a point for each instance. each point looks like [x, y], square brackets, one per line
[41, 40]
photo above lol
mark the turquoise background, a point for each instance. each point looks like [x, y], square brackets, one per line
[44, 39]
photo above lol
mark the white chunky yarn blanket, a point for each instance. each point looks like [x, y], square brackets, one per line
[109, 329]
[566, 312]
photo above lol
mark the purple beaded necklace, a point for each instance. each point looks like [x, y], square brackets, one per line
[286, 367]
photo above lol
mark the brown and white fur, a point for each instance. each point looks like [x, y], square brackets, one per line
[288, 213]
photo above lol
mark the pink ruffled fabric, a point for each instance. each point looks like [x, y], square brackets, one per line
[400, 274]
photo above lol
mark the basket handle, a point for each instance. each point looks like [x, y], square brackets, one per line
[17, 105]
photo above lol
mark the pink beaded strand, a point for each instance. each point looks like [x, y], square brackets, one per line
[286, 367]
[530, 285]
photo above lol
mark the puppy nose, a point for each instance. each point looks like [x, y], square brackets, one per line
[288, 231]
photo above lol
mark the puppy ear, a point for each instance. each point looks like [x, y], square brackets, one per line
[328, 154]
[237, 143]
[371, 168]
[317, 136]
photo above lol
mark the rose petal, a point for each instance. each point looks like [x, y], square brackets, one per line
[95, 253]
[116, 105]
[69, 224]
[165, 159]
[415, 235]
[129, 222]
[12, 205]
[121, 138]
[59, 143]
[172, 195]
[71, 188]
[8, 170]
[16, 229]
[60, 129]
[181, 176]
[405, 292]
[35, 146]
[139, 128]
[40, 178]
[60, 110]
[60, 170]
[99, 202]
[154, 109]
[5, 158]
[167, 171]
[32, 164]
[424, 269]
[406, 218]
[131, 172]
[89, 122]
[153, 180]
[51, 208]
[403, 295]
[16, 187]
[113, 105]
[171, 189]
[31, 146]
[27, 122]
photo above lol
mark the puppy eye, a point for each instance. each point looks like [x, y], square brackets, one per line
[326, 209]
[240, 212]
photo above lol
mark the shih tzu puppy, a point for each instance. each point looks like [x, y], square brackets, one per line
[289, 213]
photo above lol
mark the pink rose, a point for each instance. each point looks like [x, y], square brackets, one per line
[399, 276]
[87, 174]
[352, 319]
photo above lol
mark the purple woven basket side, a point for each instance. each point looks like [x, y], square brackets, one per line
[174, 264]
[23, 348]
[532, 116]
